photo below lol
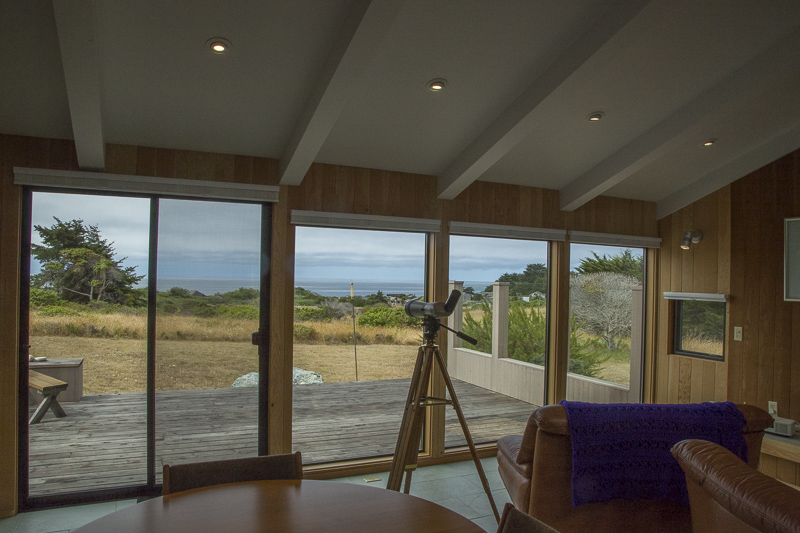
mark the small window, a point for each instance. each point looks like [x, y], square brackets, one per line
[700, 328]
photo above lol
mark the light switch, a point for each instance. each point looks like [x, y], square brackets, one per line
[737, 333]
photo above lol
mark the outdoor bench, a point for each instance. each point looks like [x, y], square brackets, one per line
[50, 388]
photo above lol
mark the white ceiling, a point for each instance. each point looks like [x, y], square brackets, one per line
[344, 82]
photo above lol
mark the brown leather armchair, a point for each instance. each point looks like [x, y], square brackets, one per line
[725, 494]
[536, 468]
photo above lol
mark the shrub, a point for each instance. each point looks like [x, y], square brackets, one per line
[198, 308]
[526, 338]
[43, 297]
[179, 292]
[58, 310]
[586, 355]
[238, 311]
[387, 317]
[338, 308]
[242, 293]
[526, 334]
[306, 297]
[481, 331]
[304, 333]
[314, 314]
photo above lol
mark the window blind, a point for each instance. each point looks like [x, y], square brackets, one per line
[613, 239]
[506, 232]
[122, 183]
[372, 222]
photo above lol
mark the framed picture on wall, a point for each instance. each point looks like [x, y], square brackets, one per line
[791, 259]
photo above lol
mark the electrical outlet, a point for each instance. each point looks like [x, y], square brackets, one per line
[772, 408]
[737, 333]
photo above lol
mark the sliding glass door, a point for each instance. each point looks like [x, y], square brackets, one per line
[88, 330]
[139, 316]
[207, 308]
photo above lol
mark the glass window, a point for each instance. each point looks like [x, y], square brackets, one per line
[606, 318]
[354, 344]
[700, 328]
[500, 380]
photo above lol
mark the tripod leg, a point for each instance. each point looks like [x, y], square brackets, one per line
[407, 448]
[467, 434]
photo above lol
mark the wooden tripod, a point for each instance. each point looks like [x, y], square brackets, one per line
[407, 450]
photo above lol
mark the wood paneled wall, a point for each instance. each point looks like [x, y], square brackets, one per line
[765, 365]
[380, 192]
[703, 268]
[325, 188]
[16, 151]
[741, 254]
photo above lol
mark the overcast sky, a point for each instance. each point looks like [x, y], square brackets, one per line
[221, 240]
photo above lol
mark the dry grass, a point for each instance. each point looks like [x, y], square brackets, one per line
[118, 365]
[615, 372]
[701, 344]
[341, 332]
[189, 328]
[134, 326]
[197, 353]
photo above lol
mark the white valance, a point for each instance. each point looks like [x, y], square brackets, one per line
[614, 239]
[696, 296]
[123, 183]
[372, 222]
[473, 229]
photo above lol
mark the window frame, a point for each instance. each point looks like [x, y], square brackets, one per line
[677, 330]
[676, 315]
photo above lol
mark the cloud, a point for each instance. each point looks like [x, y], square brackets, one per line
[209, 236]
[202, 238]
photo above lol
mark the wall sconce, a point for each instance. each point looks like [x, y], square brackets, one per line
[690, 237]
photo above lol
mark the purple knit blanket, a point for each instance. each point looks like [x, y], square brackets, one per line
[623, 450]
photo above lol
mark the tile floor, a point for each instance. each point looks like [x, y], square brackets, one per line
[455, 486]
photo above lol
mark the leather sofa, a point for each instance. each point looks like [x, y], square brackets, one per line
[536, 468]
[725, 494]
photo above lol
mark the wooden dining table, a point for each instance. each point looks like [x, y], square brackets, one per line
[287, 506]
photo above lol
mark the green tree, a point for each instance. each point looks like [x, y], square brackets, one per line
[79, 264]
[533, 279]
[306, 297]
[601, 303]
[377, 299]
[623, 263]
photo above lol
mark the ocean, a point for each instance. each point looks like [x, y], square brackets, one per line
[325, 287]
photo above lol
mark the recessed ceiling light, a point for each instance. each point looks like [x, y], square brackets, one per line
[595, 117]
[437, 84]
[218, 45]
[709, 142]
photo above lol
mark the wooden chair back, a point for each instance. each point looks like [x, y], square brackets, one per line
[195, 475]
[515, 521]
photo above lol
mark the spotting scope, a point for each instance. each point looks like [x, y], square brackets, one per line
[420, 309]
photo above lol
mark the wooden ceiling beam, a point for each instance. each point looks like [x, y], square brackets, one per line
[687, 124]
[519, 119]
[80, 58]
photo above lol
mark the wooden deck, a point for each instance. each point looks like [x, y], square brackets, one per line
[101, 443]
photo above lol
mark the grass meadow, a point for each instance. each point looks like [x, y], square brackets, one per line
[196, 352]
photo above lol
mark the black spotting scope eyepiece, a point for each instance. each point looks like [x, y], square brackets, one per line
[420, 309]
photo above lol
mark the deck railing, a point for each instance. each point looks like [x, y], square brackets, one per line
[525, 381]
